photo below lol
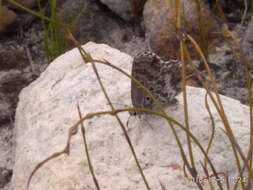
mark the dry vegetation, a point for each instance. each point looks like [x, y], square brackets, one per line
[55, 45]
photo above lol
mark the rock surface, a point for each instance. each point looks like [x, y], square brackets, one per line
[229, 74]
[5, 176]
[7, 18]
[127, 10]
[93, 22]
[21, 60]
[247, 43]
[28, 3]
[23, 57]
[160, 23]
[17, 70]
[121, 7]
[6, 156]
[47, 109]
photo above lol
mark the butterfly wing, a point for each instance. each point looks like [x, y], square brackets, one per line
[168, 82]
[161, 78]
[138, 73]
[145, 69]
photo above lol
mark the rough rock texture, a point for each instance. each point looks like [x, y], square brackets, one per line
[47, 109]
[125, 9]
[234, 9]
[96, 22]
[160, 23]
[247, 43]
[6, 156]
[22, 55]
[5, 176]
[121, 7]
[93, 23]
[21, 60]
[229, 73]
[11, 83]
[18, 69]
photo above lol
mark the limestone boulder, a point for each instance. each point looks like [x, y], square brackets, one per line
[47, 109]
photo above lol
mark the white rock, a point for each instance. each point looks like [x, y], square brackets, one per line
[47, 109]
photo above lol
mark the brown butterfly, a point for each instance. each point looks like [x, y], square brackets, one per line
[161, 78]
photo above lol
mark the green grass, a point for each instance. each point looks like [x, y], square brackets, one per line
[54, 36]
[55, 42]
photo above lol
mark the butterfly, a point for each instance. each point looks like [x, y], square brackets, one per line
[161, 78]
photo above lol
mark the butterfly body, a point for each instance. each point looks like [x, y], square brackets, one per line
[161, 78]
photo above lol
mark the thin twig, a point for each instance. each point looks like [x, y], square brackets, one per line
[29, 56]
[87, 151]
[244, 13]
[122, 127]
[169, 121]
[74, 128]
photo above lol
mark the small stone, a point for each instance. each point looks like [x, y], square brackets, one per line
[127, 10]
[7, 18]
[5, 176]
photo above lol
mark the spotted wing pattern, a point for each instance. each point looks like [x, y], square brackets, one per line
[161, 78]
